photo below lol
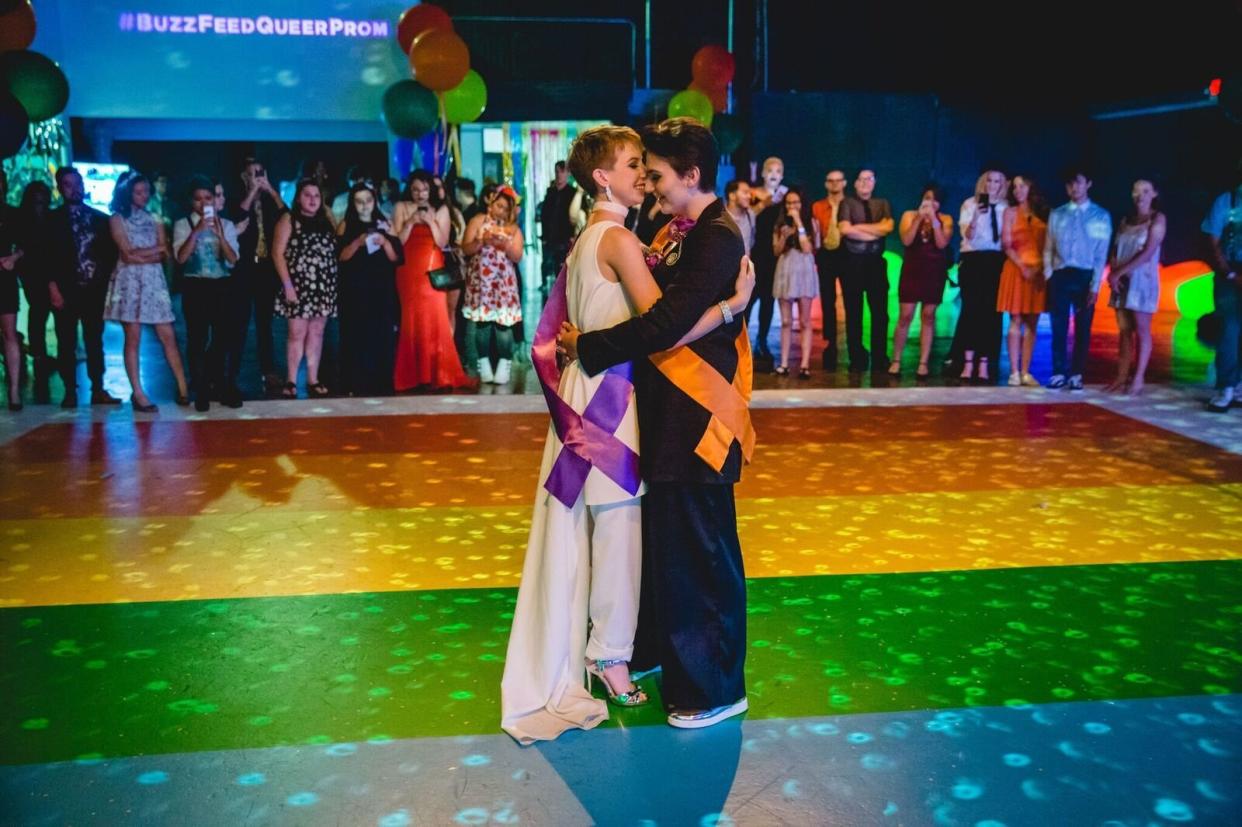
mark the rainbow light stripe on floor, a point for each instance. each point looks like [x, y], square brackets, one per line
[975, 614]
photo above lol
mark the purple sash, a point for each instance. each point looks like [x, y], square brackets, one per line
[588, 439]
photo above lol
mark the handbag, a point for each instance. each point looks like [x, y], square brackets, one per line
[447, 276]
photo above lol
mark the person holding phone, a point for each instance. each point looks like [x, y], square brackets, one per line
[982, 219]
[492, 301]
[255, 217]
[206, 246]
[925, 232]
[370, 255]
[795, 281]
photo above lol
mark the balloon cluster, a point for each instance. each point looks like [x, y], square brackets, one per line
[444, 87]
[707, 97]
[32, 86]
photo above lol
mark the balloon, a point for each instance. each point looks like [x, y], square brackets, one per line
[728, 131]
[712, 67]
[466, 101]
[17, 26]
[14, 125]
[691, 104]
[417, 19]
[36, 81]
[719, 96]
[439, 59]
[410, 110]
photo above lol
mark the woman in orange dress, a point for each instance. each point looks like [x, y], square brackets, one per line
[1022, 291]
[426, 356]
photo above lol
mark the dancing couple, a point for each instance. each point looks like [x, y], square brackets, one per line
[633, 564]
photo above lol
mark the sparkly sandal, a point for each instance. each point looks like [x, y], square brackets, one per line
[636, 697]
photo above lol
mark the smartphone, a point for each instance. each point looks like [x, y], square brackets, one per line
[983, 201]
[209, 211]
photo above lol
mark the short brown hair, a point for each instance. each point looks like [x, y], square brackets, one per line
[596, 149]
[685, 144]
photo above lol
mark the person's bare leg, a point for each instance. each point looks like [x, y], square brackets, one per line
[295, 346]
[168, 340]
[1142, 333]
[1125, 332]
[1030, 324]
[900, 335]
[133, 370]
[1015, 346]
[786, 331]
[927, 335]
[12, 356]
[314, 348]
[805, 333]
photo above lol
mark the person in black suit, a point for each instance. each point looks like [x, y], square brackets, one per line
[692, 618]
[255, 216]
[82, 241]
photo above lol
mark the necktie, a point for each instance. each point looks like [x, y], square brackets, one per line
[867, 210]
[995, 231]
[260, 247]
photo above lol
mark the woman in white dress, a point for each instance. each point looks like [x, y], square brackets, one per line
[1134, 278]
[577, 607]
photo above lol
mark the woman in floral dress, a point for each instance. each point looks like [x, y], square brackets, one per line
[493, 301]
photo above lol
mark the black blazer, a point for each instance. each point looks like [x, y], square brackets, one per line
[64, 249]
[670, 422]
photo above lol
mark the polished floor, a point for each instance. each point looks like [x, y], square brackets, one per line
[974, 606]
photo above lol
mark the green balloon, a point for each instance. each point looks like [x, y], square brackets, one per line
[728, 131]
[465, 102]
[689, 103]
[410, 109]
[36, 81]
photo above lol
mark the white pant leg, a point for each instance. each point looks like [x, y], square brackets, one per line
[616, 568]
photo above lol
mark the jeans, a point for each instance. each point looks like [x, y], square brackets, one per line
[1228, 297]
[1068, 288]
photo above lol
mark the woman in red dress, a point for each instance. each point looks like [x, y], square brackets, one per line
[426, 356]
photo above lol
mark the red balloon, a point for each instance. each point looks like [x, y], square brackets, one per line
[718, 95]
[17, 28]
[417, 19]
[440, 59]
[712, 67]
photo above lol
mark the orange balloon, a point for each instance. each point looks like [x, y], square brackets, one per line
[439, 59]
[17, 28]
[719, 96]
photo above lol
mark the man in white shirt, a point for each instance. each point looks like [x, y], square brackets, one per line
[1075, 253]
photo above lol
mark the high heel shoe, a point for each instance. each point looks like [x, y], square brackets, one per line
[781, 370]
[150, 407]
[637, 697]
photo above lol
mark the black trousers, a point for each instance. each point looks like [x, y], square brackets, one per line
[211, 313]
[979, 325]
[84, 306]
[692, 614]
[258, 285]
[866, 278]
[831, 267]
[765, 277]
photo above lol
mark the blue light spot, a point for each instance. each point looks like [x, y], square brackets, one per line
[1174, 810]
[1212, 747]
[858, 738]
[965, 790]
[1191, 719]
[1097, 729]
[473, 815]
[823, 729]
[339, 750]
[476, 760]
[1030, 788]
[1016, 759]
[1069, 750]
[401, 818]
[151, 778]
[890, 809]
[252, 779]
[790, 790]
[715, 820]
[897, 729]
[1209, 792]
[875, 761]
[990, 823]
[301, 799]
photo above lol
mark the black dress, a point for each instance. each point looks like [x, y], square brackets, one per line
[369, 315]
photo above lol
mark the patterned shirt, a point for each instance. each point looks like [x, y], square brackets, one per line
[1078, 236]
[80, 222]
[206, 262]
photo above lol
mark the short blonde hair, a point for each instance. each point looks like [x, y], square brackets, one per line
[597, 149]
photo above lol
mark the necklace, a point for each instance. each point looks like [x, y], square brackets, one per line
[610, 207]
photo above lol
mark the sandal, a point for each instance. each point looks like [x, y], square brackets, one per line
[624, 698]
[318, 390]
[289, 391]
[894, 368]
[781, 370]
[804, 373]
[922, 372]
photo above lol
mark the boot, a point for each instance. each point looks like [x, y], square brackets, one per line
[485, 370]
[502, 372]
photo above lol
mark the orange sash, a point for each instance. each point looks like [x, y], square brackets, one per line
[728, 403]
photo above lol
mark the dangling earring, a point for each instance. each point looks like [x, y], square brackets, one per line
[607, 192]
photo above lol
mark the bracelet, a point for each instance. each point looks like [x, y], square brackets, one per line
[726, 312]
[802, 231]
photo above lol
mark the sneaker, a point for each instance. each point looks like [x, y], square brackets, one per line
[1222, 401]
[1056, 382]
[1029, 381]
[1075, 383]
[1015, 380]
[708, 717]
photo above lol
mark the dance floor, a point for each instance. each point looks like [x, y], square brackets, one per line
[972, 606]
